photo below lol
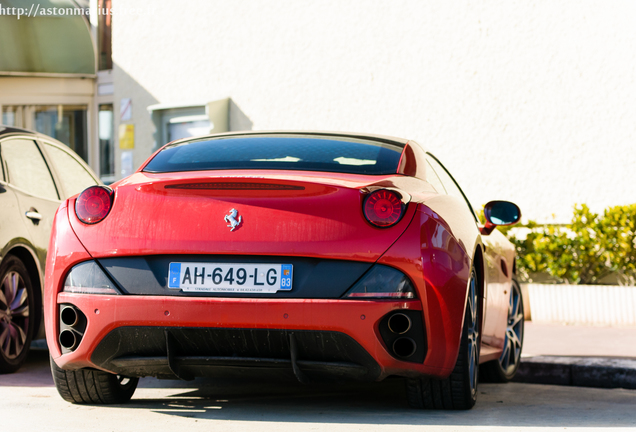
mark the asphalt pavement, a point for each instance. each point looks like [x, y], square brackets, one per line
[577, 355]
[30, 402]
[570, 355]
[553, 354]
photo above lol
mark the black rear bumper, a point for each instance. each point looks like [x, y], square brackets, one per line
[187, 352]
[313, 278]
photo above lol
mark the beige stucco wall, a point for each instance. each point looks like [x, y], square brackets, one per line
[533, 101]
[41, 90]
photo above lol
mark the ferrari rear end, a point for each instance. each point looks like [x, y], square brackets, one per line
[297, 252]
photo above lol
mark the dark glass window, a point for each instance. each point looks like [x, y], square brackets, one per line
[105, 128]
[341, 155]
[66, 123]
[25, 168]
[72, 174]
[104, 32]
[450, 185]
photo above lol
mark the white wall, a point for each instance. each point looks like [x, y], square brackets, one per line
[532, 101]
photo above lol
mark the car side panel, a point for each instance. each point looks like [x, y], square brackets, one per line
[455, 214]
[64, 252]
[430, 253]
[499, 263]
[12, 222]
[39, 231]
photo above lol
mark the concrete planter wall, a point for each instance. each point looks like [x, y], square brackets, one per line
[581, 304]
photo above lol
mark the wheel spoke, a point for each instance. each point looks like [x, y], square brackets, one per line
[473, 295]
[14, 282]
[20, 306]
[3, 299]
[511, 354]
[5, 340]
[20, 298]
[473, 332]
[18, 337]
[515, 309]
[504, 359]
[5, 291]
[20, 333]
[22, 312]
[514, 339]
[471, 365]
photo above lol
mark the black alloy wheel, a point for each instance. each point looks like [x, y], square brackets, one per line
[16, 314]
[459, 390]
[504, 369]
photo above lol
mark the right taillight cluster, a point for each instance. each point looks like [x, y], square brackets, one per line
[94, 204]
[383, 208]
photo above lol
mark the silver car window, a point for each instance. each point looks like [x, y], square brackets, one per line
[449, 183]
[70, 172]
[25, 168]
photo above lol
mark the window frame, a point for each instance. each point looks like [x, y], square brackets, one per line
[46, 161]
[57, 178]
[470, 207]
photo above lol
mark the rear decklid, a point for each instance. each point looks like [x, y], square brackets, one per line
[284, 213]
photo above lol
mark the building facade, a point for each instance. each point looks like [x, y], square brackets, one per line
[531, 102]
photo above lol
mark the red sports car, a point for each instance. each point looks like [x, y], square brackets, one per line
[322, 254]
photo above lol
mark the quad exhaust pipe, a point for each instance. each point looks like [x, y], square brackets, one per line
[68, 339]
[404, 347]
[68, 315]
[399, 323]
[404, 336]
[72, 327]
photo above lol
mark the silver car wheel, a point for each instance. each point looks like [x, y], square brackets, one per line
[473, 332]
[511, 354]
[14, 315]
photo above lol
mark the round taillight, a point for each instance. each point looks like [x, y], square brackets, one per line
[93, 204]
[383, 208]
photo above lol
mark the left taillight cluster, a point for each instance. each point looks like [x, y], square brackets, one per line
[94, 204]
[89, 278]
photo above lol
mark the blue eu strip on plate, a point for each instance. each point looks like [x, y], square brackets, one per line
[174, 275]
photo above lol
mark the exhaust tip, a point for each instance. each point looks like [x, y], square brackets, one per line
[399, 323]
[69, 317]
[68, 339]
[404, 347]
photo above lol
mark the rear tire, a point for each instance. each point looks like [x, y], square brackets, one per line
[459, 390]
[17, 314]
[504, 369]
[89, 386]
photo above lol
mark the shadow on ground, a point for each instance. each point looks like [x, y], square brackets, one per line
[279, 398]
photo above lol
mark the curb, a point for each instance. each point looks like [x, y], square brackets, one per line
[600, 372]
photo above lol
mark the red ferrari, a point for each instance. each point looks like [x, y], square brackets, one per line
[322, 254]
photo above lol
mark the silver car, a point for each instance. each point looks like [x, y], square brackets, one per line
[37, 173]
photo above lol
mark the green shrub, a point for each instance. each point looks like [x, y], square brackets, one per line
[590, 248]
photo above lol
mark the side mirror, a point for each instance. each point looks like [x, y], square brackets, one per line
[500, 213]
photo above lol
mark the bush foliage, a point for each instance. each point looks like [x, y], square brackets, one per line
[590, 248]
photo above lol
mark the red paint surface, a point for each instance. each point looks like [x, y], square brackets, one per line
[314, 215]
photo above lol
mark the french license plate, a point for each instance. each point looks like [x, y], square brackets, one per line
[230, 278]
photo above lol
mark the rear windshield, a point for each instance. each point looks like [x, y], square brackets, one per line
[284, 153]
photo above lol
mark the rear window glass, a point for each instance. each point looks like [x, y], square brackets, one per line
[285, 153]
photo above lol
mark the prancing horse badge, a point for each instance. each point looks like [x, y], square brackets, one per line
[234, 223]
